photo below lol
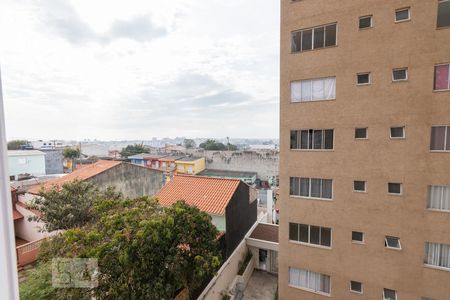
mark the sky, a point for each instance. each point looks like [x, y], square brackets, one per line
[115, 70]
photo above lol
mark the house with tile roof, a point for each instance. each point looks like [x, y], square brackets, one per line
[231, 203]
[191, 165]
[132, 180]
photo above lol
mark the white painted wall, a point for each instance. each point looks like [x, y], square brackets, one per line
[28, 230]
[219, 222]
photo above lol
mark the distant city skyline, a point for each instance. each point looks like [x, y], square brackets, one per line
[115, 70]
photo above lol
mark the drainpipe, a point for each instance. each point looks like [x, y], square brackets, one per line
[269, 206]
[8, 259]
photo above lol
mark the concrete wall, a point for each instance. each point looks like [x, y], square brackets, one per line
[54, 162]
[132, 180]
[263, 162]
[31, 164]
[28, 230]
[219, 222]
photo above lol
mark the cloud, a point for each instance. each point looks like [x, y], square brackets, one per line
[139, 28]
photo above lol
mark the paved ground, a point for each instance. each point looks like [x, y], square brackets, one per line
[262, 286]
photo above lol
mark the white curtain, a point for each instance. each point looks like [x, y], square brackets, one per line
[330, 88]
[446, 198]
[444, 259]
[439, 197]
[318, 89]
[296, 91]
[437, 254]
[306, 90]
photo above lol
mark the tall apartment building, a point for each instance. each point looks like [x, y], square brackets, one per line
[365, 149]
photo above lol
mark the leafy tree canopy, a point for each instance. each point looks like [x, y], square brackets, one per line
[71, 205]
[131, 150]
[211, 144]
[189, 143]
[15, 144]
[71, 153]
[144, 251]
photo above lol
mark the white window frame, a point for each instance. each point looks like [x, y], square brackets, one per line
[309, 236]
[447, 127]
[309, 189]
[364, 17]
[400, 69]
[358, 191]
[357, 292]
[312, 89]
[402, 9]
[434, 83]
[396, 194]
[390, 247]
[367, 133]
[356, 241]
[395, 137]
[363, 73]
[384, 296]
[439, 2]
[440, 200]
[299, 139]
[312, 45]
[308, 276]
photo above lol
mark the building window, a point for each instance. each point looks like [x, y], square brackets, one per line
[357, 237]
[313, 89]
[442, 77]
[310, 234]
[12, 178]
[363, 78]
[392, 242]
[443, 19]
[394, 188]
[314, 38]
[312, 281]
[389, 294]
[437, 255]
[360, 133]
[312, 139]
[402, 15]
[400, 74]
[356, 286]
[359, 186]
[397, 132]
[311, 187]
[426, 298]
[365, 22]
[440, 138]
[438, 197]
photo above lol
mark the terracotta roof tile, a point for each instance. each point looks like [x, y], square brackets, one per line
[265, 232]
[84, 173]
[210, 195]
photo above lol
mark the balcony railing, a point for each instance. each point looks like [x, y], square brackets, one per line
[27, 253]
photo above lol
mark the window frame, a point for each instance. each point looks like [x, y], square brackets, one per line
[363, 241]
[309, 243]
[395, 137]
[400, 69]
[434, 79]
[402, 9]
[367, 133]
[312, 37]
[386, 244]
[308, 275]
[441, 198]
[384, 295]
[360, 191]
[396, 194]
[364, 73]
[437, 15]
[355, 291]
[365, 17]
[446, 141]
[311, 80]
[312, 139]
[310, 188]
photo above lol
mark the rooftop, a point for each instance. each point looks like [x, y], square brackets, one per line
[210, 195]
[192, 158]
[226, 173]
[84, 173]
[139, 156]
[265, 232]
[24, 152]
[172, 157]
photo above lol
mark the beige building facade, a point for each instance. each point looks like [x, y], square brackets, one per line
[365, 149]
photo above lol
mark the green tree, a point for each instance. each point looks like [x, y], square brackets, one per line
[133, 150]
[189, 143]
[71, 153]
[211, 144]
[15, 144]
[71, 205]
[144, 251]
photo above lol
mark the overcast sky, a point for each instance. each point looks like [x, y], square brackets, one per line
[140, 69]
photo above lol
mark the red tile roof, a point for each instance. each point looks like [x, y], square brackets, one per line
[84, 173]
[210, 195]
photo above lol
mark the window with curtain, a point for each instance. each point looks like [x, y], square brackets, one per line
[310, 234]
[437, 255]
[312, 139]
[313, 89]
[314, 38]
[440, 138]
[309, 280]
[443, 18]
[442, 77]
[311, 187]
[439, 197]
